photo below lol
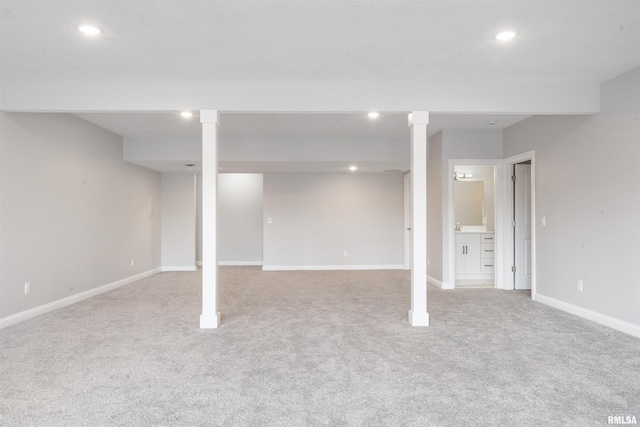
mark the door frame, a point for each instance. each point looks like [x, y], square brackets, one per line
[406, 228]
[507, 226]
[449, 219]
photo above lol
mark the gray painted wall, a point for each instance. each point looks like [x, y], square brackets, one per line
[316, 217]
[239, 218]
[73, 213]
[588, 188]
[434, 207]
[445, 146]
[178, 220]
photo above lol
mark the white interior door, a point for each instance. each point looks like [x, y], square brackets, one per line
[522, 227]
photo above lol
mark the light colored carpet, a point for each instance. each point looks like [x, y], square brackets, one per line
[313, 349]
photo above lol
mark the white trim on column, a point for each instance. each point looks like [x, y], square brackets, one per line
[406, 217]
[210, 317]
[418, 121]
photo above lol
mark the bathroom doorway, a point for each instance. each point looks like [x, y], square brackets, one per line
[472, 235]
[474, 232]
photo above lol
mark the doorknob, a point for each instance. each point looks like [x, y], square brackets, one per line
[408, 228]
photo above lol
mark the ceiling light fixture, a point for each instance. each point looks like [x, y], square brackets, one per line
[353, 168]
[492, 122]
[186, 114]
[89, 30]
[506, 35]
[373, 115]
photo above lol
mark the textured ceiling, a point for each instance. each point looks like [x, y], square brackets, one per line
[560, 41]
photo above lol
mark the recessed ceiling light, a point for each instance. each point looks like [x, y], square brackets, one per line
[353, 168]
[89, 30]
[373, 115]
[506, 35]
[186, 114]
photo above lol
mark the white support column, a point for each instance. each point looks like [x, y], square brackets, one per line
[210, 317]
[418, 122]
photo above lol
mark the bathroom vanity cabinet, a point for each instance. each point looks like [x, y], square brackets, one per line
[474, 257]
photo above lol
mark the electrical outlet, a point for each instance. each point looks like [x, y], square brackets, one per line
[269, 221]
[133, 262]
[346, 253]
[544, 221]
[428, 262]
[27, 288]
[580, 285]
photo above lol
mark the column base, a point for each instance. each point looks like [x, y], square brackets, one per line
[209, 321]
[418, 319]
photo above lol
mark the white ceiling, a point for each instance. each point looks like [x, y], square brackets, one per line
[314, 41]
[445, 43]
[290, 126]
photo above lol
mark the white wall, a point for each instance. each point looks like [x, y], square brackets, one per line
[178, 221]
[73, 213]
[588, 188]
[239, 218]
[316, 217]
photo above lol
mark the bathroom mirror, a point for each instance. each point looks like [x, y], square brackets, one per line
[469, 202]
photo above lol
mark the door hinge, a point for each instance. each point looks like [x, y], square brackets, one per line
[513, 269]
[513, 178]
[513, 223]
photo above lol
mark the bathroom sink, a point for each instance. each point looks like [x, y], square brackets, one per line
[473, 228]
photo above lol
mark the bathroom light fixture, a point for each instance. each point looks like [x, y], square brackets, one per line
[353, 168]
[186, 114]
[506, 35]
[459, 175]
[89, 30]
[373, 115]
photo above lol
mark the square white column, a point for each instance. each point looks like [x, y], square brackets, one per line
[210, 317]
[418, 121]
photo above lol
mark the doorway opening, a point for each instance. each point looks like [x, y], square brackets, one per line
[520, 224]
[472, 224]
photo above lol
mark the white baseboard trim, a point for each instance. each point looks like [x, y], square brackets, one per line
[434, 281]
[45, 308]
[227, 263]
[246, 263]
[331, 267]
[603, 319]
[179, 268]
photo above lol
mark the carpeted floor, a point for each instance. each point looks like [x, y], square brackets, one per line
[313, 349]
